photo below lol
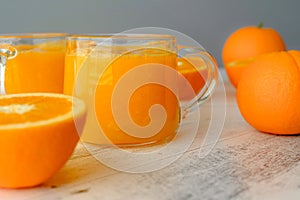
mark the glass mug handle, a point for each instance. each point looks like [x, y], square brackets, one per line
[6, 52]
[209, 74]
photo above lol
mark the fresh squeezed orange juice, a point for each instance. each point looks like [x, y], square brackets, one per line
[36, 68]
[96, 77]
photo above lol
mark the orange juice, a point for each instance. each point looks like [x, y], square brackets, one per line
[97, 76]
[36, 68]
[73, 64]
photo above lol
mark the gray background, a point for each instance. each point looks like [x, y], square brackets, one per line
[207, 21]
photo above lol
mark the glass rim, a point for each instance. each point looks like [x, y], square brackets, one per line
[37, 35]
[129, 36]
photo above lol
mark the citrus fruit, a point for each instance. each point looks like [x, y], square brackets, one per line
[194, 71]
[38, 133]
[246, 43]
[235, 69]
[269, 91]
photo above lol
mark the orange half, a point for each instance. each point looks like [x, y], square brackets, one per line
[235, 69]
[194, 71]
[38, 133]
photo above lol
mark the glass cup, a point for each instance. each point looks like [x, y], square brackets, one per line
[32, 62]
[132, 87]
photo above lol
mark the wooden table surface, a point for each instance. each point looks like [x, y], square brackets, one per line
[243, 164]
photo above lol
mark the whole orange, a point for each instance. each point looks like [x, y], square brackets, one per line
[268, 93]
[38, 133]
[246, 43]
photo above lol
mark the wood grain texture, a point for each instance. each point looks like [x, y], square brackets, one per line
[244, 164]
